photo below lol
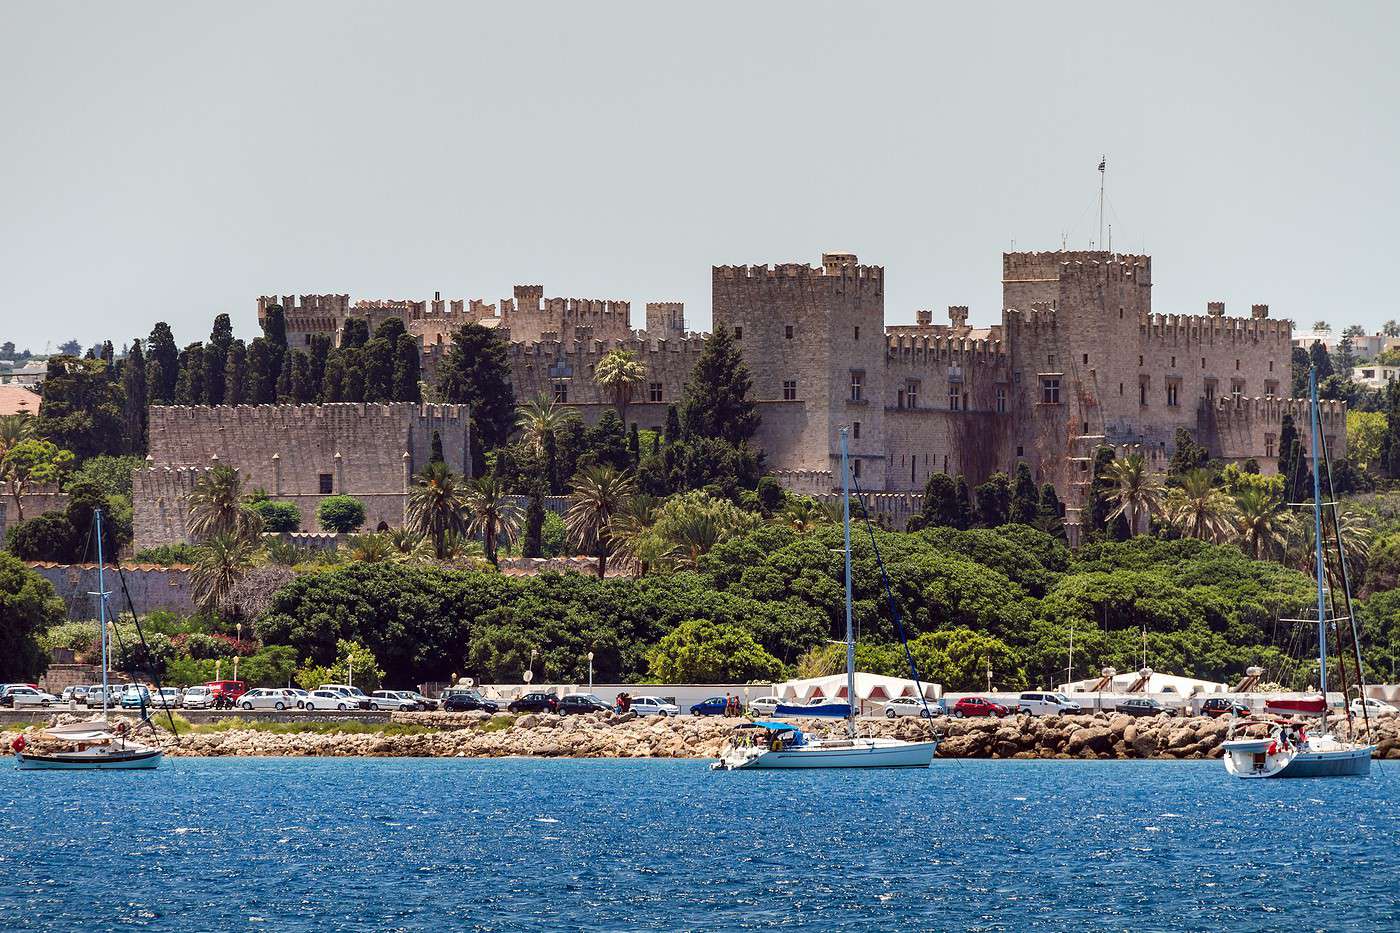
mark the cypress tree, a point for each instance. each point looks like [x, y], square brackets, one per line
[189, 381]
[333, 382]
[162, 365]
[994, 501]
[436, 456]
[378, 358]
[236, 374]
[216, 359]
[717, 402]
[476, 371]
[320, 352]
[300, 388]
[1050, 516]
[354, 333]
[940, 505]
[962, 504]
[534, 525]
[407, 370]
[262, 378]
[634, 444]
[353, 381]
[551, 462]
[1093, 518]
[673, 424]
[1287, 434]
[1025, 498]
[134, 402]
[1321, 360]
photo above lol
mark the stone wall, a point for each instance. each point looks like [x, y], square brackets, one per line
[32, 504]
[151, 586]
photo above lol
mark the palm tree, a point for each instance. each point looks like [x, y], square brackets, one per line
[1262, 521]
[437, 506]
[635, 544]
[540, 416]
[1136, 491]
[1198, 508]
[13, 429]
[694, 533]
[409, 544]
[372, 548]
[1301, 553]
[802, 514]
[218, 506]
[491, 515]
[219, 563]
[617, 372]
[599, 495]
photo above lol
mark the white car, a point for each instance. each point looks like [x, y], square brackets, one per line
[355, 698]
[1373, 707]
[28, 696]
[328, 699]
[654, 706]
[1044, 703]
[910, 706]
[300, 695]
[278, 698]
[168, 698]
[192, 698]
[764, 706]
[391, 700]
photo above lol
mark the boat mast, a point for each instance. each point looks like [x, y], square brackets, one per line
[1317, 540]
[101, 606]
[850, 630]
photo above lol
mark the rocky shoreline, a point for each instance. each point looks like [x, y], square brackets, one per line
[477, 735]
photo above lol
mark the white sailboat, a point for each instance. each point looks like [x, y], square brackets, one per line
[96, 745]
[781, 745]
[1289, 750]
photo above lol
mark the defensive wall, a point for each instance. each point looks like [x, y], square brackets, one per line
[151, 586]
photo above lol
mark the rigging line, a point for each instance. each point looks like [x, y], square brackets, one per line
[1346, 594]
[155, 677]
[889, 596]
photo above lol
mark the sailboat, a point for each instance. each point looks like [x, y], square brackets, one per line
[98, 744]
[782, 745]
[1289, 750]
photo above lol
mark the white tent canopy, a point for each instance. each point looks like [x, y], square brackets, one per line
[874, 688]
[1144, 681]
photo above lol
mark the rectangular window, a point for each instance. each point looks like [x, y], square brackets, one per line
[1020, 451]
[738, 332]
[1139, 359]
[1173, 362]
[855, 430]
[1050, 359]
[787, 331]
[327, 487]
[1271, 365]
[857, 332]
[1237, 387]
[789, 390]
[308, 340]
[857, 386]
[1203, 362]
[654, 391]
[899, 399]
[1086, 359]
[1050, 390]
[561, 391]
[1237, 364]
[1270, 387]
[911, 391]
[855, 468]
[1210, 390]
[1001, 400]
[1173, 393]
[1142, 390]
[1269, 441]
[954, 399]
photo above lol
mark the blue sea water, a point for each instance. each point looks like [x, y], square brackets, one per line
[410, 844]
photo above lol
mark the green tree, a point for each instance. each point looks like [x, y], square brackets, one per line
[162, 365]
[218, 506]
[31, 463]
[134, 399]
[1187, 455]
[216, 352]
[1321, 360]
[1050, 515]
[82, 408]
[342, 514]
[1135, 493]
[437, 506]
[534, 526]
[699, 651]
[476, 372]
[379, 370]
[717, 402]
[994, 501]
[960, 658]
[189, 381]
[263, 368]
[1262, 522]
[940, 506]
[28, 608]
[1198, 508]
[408, 370]
[618, 373]
[236, 374]
[491, 515]
[1025, 498]
[541, 416]
[219, 563]
[962, 502]
[278, 517]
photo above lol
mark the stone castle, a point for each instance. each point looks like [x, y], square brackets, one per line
[1078, 359]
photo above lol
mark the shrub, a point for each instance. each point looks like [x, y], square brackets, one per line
[554, 538]
[280, 517]
[167, 554]
[47, 536]
[341, 513]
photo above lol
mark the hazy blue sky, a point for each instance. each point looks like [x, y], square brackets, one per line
[176, 160]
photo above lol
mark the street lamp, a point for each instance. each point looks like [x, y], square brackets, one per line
[590, 672]
[989, 676]
[240, 645]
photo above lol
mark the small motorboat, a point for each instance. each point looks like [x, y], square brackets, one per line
[782, 745]
[1288, 751]
[96, 745]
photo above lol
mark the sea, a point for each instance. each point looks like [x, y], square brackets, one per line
[329, 844]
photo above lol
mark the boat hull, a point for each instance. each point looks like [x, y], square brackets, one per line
[1250, 758]
[130, 760]
[854, 755]
[1351, 762]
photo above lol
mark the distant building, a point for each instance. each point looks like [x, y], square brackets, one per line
[17, 398]
[30, 374]
[1363, 346]
[1374, 376]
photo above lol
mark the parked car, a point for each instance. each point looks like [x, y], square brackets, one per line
[978, 706]
[278, 698]
[355, 698]
[1221, 706]
[466, 701]
[584, 703]
[390, 700]
[136, 696]
[654, 706]
[227, 691]
[534, 703]
[168, 698]
[764, 706]
[1043, 703]
[74, 694]
[1372, 707]
[911, 706]
[1144, 706]
[413, 701]
[328, 699]
[21, 695]
[423, 702]
[201, 697]
[710, 706]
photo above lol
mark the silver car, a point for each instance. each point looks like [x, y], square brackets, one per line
[197, 698]
[278, 698]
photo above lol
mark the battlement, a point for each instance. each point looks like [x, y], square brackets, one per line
[276, 417]
[403, 306]
[1225, 409]
[835, 267]
[305, 305]
[1049, 266]
[1212, 327]
[1039, 316]
[925, 347]
[553, 348]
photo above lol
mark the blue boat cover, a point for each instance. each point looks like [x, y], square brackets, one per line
[776, 726]
[841, 710]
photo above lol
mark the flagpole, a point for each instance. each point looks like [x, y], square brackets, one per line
[1103, 166]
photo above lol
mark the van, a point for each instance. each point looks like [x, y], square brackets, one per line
[1040, 703]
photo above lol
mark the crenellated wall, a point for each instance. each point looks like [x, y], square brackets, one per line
[151, 586]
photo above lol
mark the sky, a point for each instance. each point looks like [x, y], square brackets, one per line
[174, 161]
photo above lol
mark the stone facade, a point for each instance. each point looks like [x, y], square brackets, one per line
[151, 586]
[296, 453]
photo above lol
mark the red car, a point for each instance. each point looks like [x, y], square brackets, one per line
[978, 706]
[229, 690]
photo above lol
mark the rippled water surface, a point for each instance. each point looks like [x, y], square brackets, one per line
[381, 844]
